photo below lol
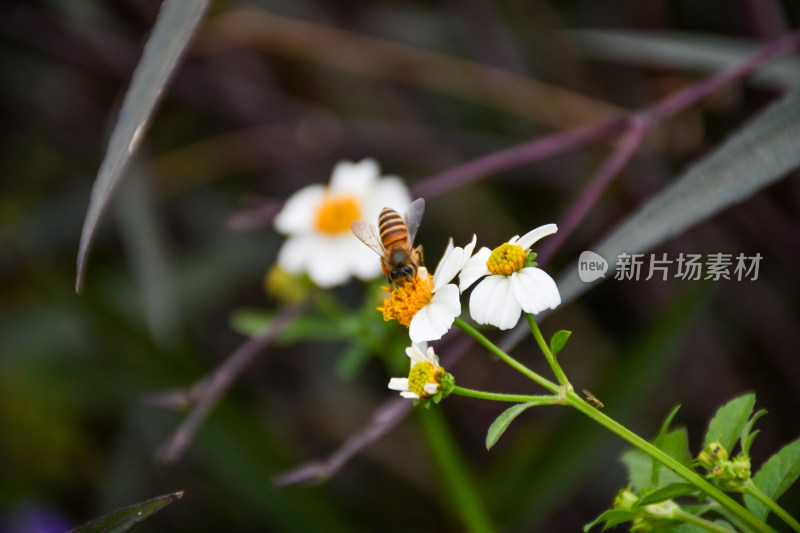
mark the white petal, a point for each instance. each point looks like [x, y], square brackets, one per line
[535, 290]
[479, 299]
[493, 302]
[448, 266]
[434, 320]
[430, 355]
[354, 178]
[389, 191]
[474, 269]
[431, 388]
[364, 263]
[299, 211]
[527, 240]
[504, 309]
[410, 395]
[398, 384]
[330, 264]
[417, 356]
[296, 252]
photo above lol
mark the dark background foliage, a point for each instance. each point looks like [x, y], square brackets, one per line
[188, 241]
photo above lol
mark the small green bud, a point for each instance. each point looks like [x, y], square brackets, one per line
[741, 467]
[286, 287]
[712, 455]
[625, 500]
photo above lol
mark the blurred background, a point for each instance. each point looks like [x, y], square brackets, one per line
[268, 101]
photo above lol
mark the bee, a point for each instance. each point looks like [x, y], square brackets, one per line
[593, 400]
[394, 240]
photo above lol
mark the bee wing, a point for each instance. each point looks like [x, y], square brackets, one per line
[368, 235]
[414, 218]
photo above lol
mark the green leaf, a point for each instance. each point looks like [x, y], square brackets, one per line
[658, 440]
[640, 469]
[727, 424]
[759, 154]
[748, 435]
[173, 29]
[612, 518]
[667, 492]
[124, 519]
[502, 422]
[776, 475]
[558, 340]
[703, 53]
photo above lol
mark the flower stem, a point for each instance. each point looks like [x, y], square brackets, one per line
[752, 490]
[516, 365]
[621, 431]
[700, 522]
[686, 473]
[551, 359]
[502, 397]
[461, 486]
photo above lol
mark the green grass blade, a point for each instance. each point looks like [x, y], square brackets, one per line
[683, 51]
[174, 27]
[124, 519]
[760, 153]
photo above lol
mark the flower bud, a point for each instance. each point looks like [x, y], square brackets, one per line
[712, 455]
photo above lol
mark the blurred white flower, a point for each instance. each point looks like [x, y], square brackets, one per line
[316, 220]
[423, 380]
[509, 286]
[429, 305]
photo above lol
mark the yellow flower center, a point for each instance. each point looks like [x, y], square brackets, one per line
[506, 259]
[336, 212]
[422, 374]
[407, 298]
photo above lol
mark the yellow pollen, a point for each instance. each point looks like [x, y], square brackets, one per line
[406, 300]
[506, 259]
[422, 374]
[336, 212]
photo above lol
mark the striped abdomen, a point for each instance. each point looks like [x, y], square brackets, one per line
[393, 229]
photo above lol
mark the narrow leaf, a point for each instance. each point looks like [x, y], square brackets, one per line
[748, 435]
[667, 492]
[657, 442]
[124, 519]
[174, 27]
[729, 421]
[760, 153]
[695, 52]
[666, 424]
[612, 518]
[775, 477]
[558, 340]
[502, 422]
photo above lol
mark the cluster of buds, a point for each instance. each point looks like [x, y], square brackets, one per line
[729, 474]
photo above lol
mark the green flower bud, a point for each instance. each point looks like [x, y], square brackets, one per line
[712, 455]
[625, 500]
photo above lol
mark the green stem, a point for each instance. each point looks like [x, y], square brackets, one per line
[461, 487]
[551, 359]
[502, 397]
[686, 473]
[513, 363]
[752, 490]
[700, 522]
[621, 431]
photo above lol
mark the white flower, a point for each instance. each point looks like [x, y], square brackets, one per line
[429, 305]
[317, 220]
[509, 287]
[423, 379]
